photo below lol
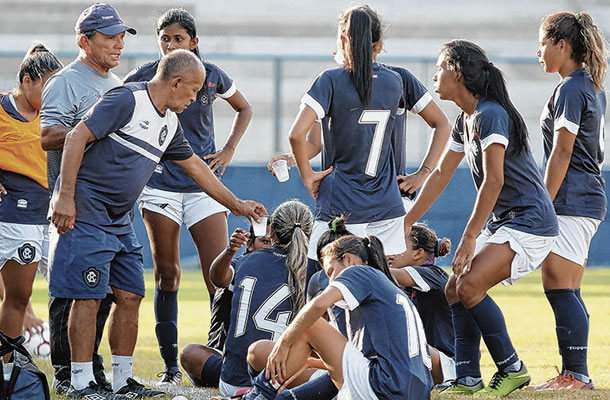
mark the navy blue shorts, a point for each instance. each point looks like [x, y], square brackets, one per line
[86, 261]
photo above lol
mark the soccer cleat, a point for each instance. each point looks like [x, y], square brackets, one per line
[135, 390]
[61, 387]
[93, 392]
[564, 381]
[169, 377]
[458, 388]
[504, 383]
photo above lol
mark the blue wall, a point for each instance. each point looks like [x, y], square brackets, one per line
[448, 216]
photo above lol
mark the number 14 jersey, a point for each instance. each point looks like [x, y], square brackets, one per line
[357, 143]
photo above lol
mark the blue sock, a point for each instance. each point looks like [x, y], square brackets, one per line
[467, 343]
[321, 387]
[490, 320]
[166, 314]
[572, 327]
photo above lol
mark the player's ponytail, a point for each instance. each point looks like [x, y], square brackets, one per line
[369, 249]
[356, 25]
[38, 62]
[587, 41]
[292, 222]
[425, 238]
[483, 78]
[181, 17]
[336, 230]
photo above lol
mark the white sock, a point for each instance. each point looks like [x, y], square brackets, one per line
[121, 370]
[7, 369]
[82, 374]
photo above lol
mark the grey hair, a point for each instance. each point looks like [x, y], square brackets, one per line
[177, 62]
[292, 222]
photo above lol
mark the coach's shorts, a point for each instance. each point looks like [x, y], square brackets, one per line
[391, 232]
[187, 208]
[530, 250]
[84, 262]
[575, 234]
[21, 243]
[356, 384]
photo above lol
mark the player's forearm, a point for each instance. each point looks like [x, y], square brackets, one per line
[240, 124]
[432, 189]
[53, 137]
[73, 150]
[207, 181]
[556, 170]
[220, 271]
[314, 140]
[486, 200]
[306, 317]
[436, 146]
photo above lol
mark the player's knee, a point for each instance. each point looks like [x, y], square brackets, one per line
[167, 276]
[258, 353]
[190, 357]
[127, 300]
[18, 301]
[451, 292]
[466, 290]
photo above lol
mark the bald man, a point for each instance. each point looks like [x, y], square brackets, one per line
[93, 246]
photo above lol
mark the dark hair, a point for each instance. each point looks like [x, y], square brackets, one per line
[337, 230]
[38, 62]
[176, 62]
[181, 17]
[369, 249]
[587, 41]
[357, 25]
[425, 238]
[292, 222]
[482, 78]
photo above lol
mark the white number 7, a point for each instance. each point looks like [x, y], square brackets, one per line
[380, 119]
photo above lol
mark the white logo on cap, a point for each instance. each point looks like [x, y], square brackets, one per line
[108, 17]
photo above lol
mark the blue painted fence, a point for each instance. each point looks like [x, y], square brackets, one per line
[448, 216]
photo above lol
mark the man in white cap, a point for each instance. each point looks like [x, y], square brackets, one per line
[67, 97]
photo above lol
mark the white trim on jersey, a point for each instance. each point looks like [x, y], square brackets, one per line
[494, 138]
[455, 146]
[563, 122]
[421, 103]
[419, 281]
[349, 298]
[134, 147]
[313, 103]
[230, 92]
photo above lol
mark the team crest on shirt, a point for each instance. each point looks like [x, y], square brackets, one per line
[162, 135]
[22, 203]
[27, 252]
[91, 276]
[204, 99]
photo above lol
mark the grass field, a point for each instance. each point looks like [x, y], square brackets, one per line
[528, 316]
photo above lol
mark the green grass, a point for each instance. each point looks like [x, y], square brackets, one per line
[528, 316]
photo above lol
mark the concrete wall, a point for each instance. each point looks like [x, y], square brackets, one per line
[448, 216]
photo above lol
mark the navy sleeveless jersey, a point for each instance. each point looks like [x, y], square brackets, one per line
[385, 326]
[128, 146]
[431, 303]
[357, 142]
[577, 106]
[524, 203]
[197, 123]
[415, 97]
[261, 309]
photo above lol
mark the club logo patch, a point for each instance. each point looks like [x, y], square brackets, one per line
[91, 276]
[204, 99]
[162, 135]
[27, 252]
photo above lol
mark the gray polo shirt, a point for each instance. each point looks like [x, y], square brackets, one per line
[66, 98]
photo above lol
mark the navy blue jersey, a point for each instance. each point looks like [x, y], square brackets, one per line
[336, 315]
[577, 106]
[261, 309]
[197, 123]
[129, 144]
[524, 203]
[357, 142]
[415, 97]
[383, 324]
[431, 303]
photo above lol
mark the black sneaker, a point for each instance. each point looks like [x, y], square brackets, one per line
[61, 386]
[169, 377]
[106, 386]
[93, 392]
[135, 390]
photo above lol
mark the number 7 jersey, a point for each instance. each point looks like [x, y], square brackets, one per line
[357, 143]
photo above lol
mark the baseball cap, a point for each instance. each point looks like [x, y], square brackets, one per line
[103, 18]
